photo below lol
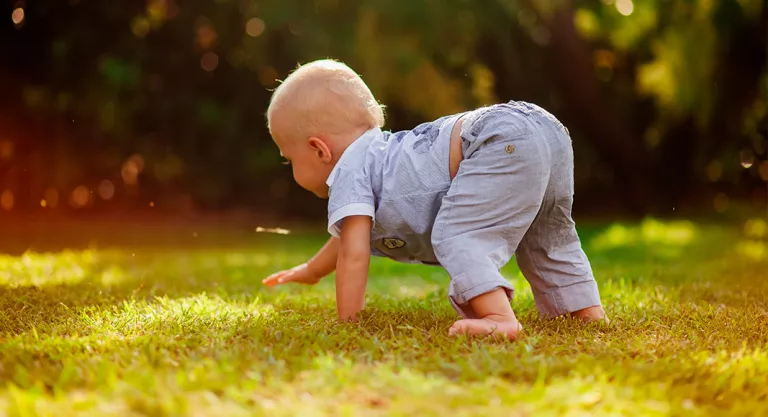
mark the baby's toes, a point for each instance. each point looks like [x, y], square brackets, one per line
[471, 327]
[483, 327]
[457, 328]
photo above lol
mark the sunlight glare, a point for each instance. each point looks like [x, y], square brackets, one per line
[40, 269]
[275, 230]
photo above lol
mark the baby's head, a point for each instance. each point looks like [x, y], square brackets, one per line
[319, 110]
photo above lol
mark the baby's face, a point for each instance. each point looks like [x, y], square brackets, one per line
[309, 170]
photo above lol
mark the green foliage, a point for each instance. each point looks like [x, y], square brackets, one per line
[186, 329]
[192, 80]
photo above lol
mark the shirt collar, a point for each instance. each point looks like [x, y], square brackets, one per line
[363, 141]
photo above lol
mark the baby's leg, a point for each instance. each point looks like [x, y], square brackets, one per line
[559, 272]
[490, 205]
[550, 255]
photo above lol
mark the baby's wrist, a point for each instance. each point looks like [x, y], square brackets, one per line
[312, 270]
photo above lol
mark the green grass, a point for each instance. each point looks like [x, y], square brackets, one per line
[188, 330]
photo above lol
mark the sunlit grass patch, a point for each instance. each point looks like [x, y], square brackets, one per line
[663, 240]
[175, 331]
[32, 269]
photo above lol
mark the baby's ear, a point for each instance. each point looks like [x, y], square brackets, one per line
[321, 149]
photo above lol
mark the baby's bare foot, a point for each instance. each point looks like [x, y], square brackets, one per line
[487, 326]
[591, 314]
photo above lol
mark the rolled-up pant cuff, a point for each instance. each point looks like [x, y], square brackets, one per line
[559, 301]
[467, 286]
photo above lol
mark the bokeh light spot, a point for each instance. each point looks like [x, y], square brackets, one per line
[756, 228]
[268, 77]
[140, 26]
[106, 190]
[604, 63]
[747, 158]
[6, 150]
[652, 137]
[587, 23]
[209, 62]
[130, 172]
[80, 197]
[722, 202]
[43, 203]
[157, 10]
[714, 170]
[138, 160]
[152, 204]
[6, 200]
[625, 7]
[754, 250]
[764, 170]
[17, 16]
[255, 27]
[540, 35]
[52, 197]
[526, 18]
[206, 36]
[131, 169]
[650, 232]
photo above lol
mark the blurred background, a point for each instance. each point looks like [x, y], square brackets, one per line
[157, 107]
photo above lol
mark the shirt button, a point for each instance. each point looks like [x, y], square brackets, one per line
[510, 148]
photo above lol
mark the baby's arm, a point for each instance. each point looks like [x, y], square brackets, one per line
[352, 266]
[324, 262]
[311, 272]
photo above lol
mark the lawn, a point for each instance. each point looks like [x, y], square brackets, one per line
[187, 329]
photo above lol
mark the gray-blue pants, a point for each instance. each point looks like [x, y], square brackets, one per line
[513, 195]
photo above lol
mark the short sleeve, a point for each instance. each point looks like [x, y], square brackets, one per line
[350, 195]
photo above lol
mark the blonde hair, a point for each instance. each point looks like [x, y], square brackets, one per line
[325, 96]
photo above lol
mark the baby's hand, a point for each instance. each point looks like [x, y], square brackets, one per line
[299, 274]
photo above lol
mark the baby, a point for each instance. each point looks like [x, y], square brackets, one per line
[465, 192]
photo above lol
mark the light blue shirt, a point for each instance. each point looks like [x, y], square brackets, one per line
[399, 180]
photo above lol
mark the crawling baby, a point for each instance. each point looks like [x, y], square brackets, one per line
[465, 192]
